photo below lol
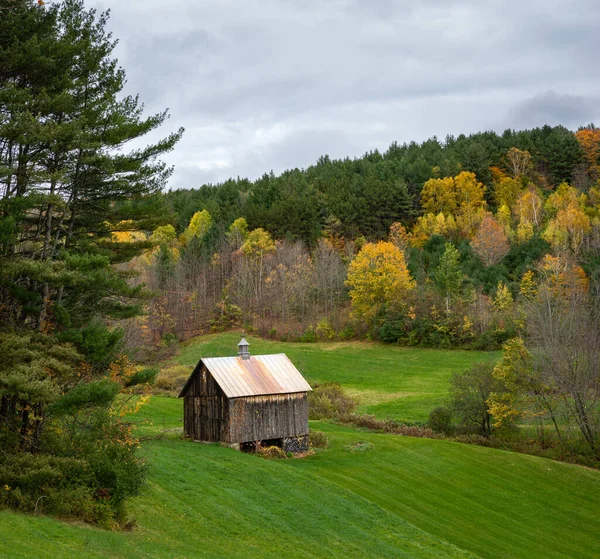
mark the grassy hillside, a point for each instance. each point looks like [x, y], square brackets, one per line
[403, 498]
[391, 381]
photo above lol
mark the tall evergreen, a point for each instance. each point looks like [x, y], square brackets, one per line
[67, 184]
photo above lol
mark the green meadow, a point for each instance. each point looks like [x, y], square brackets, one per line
[390, 381]
[367, 495]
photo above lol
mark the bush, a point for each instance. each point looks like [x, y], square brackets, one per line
[271, 452]
[318, 439]
[440, 420]
[347, 334]
[171, 379]
[324, 330]
[309, 336]
[391, 331]
[82, 472]
[370, 422]
[327, 401]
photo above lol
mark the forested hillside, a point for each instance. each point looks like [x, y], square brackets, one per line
[483, 242]
[468, 225]
[365, 196]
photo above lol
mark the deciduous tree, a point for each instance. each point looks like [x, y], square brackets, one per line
[490, 244]
[379, 281]
[448, 277]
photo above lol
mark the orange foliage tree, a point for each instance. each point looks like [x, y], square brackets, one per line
[589, 140]
[490, 244]
[562, 277]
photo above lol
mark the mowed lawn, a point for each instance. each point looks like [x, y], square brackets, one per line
[403, 497]
[390, 381]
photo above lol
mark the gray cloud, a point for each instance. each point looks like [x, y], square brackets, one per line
[552, 108]
[271, 84]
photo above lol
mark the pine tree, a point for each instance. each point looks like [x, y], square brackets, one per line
[67, 184]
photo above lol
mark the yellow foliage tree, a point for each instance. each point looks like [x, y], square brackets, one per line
[568, 229]
[504, 218]
[258, 243]
[165, 234]
[199, 225]
[125, 234]
[562, 277]
[506, 191]
[589, 140]
[528, 288]
[563, 197]
[524, 231]
[439, 196]
[238, 232]
[518, 162]
[515, 372]
[503, 299]
[378, 280]
[460, 198]
[529, 206]
[399, 236]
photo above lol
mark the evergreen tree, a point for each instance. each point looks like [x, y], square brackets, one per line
[67, 185]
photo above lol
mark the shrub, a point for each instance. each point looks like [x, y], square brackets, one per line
[391, 331]
[171, 379]
[271, 452]
[370, 422]
[347, 334]
[225, 316]
[309, 336]
[440, 420]
[324, 330]
[85, 473]
[318, 439]
[327, 401]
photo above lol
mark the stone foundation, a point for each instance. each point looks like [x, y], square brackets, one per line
[295, 444]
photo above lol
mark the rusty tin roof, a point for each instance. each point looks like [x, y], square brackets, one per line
[259, 375]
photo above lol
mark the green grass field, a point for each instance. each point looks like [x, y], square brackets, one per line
[403, 497]
[390, 381]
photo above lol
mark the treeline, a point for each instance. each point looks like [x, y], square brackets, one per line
[464, 245]
[363, 197]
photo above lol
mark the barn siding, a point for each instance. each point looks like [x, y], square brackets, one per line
[257, 418]
[205, 409]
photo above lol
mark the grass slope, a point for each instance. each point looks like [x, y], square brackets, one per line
[404, 498]
[391, 381]
[210, 501]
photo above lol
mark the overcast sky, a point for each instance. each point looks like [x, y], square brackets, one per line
[274, 84]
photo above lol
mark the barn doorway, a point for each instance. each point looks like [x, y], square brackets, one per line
[250, 446]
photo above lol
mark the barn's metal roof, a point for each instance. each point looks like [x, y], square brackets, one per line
[259, 375]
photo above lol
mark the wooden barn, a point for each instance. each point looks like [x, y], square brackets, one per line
[247, 399]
